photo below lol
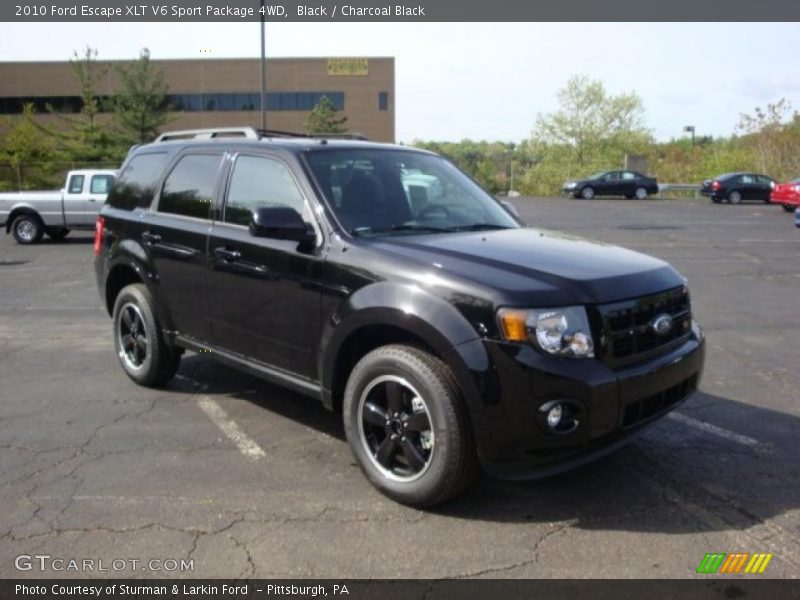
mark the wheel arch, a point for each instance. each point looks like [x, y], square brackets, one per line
[387, 313]
[23, 209]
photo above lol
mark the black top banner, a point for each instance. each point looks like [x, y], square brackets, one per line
[133, 11]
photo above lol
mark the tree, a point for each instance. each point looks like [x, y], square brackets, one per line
[27, 150]
[87, 138]
[773, 133]
[592, 123]
[140, 103]
[323, 118]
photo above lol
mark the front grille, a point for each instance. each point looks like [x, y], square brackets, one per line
[643, 410]
[628, 332]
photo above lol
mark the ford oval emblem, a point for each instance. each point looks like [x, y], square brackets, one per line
[662, 324]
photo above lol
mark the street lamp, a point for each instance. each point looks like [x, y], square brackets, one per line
[263, 67]
[690, 129]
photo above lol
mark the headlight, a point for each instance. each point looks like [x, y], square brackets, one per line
[570, 185]
[559, 331]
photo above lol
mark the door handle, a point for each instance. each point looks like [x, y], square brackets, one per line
[150, 237]
[226, 254]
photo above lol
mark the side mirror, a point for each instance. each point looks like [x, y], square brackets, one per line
[281, 223]
[509, 206]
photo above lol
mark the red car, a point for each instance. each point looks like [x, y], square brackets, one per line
[787, 194]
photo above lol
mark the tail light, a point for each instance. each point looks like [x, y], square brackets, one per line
[99, 230]
[715, 185]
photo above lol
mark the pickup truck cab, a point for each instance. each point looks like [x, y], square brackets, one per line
[384, 282]
[29, 215]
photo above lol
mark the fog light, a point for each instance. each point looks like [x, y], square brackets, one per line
[554, 416]
[560, 416]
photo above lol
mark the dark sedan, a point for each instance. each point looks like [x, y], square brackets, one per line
[629, 184]
[735, 187]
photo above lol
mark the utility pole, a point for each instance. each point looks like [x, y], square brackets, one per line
[263, 67]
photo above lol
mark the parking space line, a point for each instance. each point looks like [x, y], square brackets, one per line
[230, 428]
[714, 430]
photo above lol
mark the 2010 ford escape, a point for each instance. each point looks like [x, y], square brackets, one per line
[383, 281]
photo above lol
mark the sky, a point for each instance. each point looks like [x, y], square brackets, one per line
[489, 80]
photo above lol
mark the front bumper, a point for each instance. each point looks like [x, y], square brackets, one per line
[616, 404]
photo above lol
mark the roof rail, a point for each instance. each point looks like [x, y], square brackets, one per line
[250, 133]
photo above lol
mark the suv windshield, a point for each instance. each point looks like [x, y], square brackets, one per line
[391, 192]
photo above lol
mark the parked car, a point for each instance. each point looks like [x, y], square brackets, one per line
[787, 195]
[629, 184]
[797, 217]
[29, 215]
[735, 187]
[445, 333]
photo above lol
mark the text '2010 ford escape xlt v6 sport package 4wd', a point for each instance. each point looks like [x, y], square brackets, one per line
[385, 282]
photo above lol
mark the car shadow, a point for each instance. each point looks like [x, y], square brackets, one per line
[680, 475]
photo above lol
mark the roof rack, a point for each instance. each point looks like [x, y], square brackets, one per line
[251, 134]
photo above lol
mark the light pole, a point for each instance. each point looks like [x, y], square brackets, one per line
[690, 129]
[263, 67]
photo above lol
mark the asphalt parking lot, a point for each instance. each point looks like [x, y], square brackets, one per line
[247, 479]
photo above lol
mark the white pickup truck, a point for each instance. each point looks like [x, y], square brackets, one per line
[29, 215]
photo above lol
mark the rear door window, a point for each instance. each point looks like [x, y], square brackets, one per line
[101, 184]
[747, 179]
[189, 188]
[136, 184]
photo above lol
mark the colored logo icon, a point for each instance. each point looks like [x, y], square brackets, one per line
[734, 563]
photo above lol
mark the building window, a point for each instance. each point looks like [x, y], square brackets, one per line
[383, 100]
[233, 101]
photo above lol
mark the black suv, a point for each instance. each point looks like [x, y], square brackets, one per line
[383, 281]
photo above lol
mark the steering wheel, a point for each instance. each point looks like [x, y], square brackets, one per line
[434, 209]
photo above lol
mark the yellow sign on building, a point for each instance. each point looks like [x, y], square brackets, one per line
[348, 66]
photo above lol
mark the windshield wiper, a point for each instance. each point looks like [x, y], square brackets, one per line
[406, 227]
[479, 227]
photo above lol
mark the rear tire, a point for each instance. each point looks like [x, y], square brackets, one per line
[27, 229]
[408, 427]
[139, 340]
[734, 197]
[587, 193]
[716, 200]
[788, 208]
[58, 233]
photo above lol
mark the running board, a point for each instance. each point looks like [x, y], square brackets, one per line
[282, 378]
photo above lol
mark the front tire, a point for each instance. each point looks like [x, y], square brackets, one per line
[139, 342]
[408, 427]
[27, 229]
[788, 208]
[587, 193]
[640, 193]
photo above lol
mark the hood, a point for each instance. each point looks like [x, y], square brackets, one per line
[533, 265]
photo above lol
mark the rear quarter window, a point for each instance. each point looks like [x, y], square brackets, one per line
[136, 185]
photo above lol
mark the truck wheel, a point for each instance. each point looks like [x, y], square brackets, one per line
[587, 193]
[57, 233]
[27, 229]
[407, 426]
[139, 341]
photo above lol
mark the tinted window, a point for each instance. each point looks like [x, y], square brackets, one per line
[764, 180]
[258, 181]
[101, 184]
[396, 192]
[76, 184]
[189, 188]
[137, 183]
[746, 179]
[628, 176]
